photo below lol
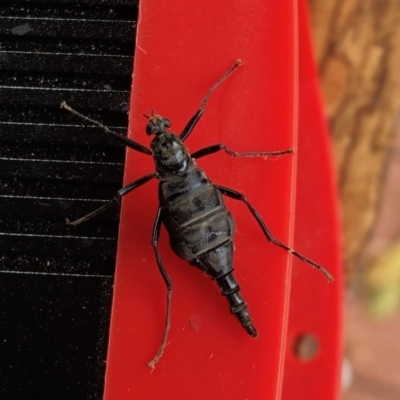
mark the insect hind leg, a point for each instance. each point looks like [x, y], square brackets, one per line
[168, 283]
[239, 196]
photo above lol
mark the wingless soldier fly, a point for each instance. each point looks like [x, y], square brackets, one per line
[192, 208]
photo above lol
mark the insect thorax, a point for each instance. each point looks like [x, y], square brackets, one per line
[171, 157]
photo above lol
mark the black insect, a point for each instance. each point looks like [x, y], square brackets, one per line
[192, 209]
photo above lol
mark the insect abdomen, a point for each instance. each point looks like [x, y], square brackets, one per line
[195, 215]
[201, 232]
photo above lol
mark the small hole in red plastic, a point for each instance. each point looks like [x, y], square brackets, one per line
[306, 347]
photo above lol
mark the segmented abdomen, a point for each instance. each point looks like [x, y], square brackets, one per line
[201, 230]
[195, 215]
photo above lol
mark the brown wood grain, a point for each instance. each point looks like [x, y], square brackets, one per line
[357, 48]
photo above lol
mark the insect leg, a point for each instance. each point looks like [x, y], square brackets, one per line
[196, 117]
[116, 199]
[239, 196]
[217, 147]
[127, 142]
[168, 283]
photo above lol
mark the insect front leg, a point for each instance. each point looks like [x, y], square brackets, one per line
[115, 200]
[239, 196]
[168, 283]
[196, 117]
[121, 138]
[218, 147]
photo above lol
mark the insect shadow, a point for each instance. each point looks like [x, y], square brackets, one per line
[192, 208]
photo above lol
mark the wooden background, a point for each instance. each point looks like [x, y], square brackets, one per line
[357, 49]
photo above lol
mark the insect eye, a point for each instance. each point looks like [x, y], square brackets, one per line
[167, 122]
[150, 129]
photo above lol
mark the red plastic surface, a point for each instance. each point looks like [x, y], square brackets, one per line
[182, 48]
[315, 308]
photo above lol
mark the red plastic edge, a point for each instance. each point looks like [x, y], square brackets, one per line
[315, 308]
